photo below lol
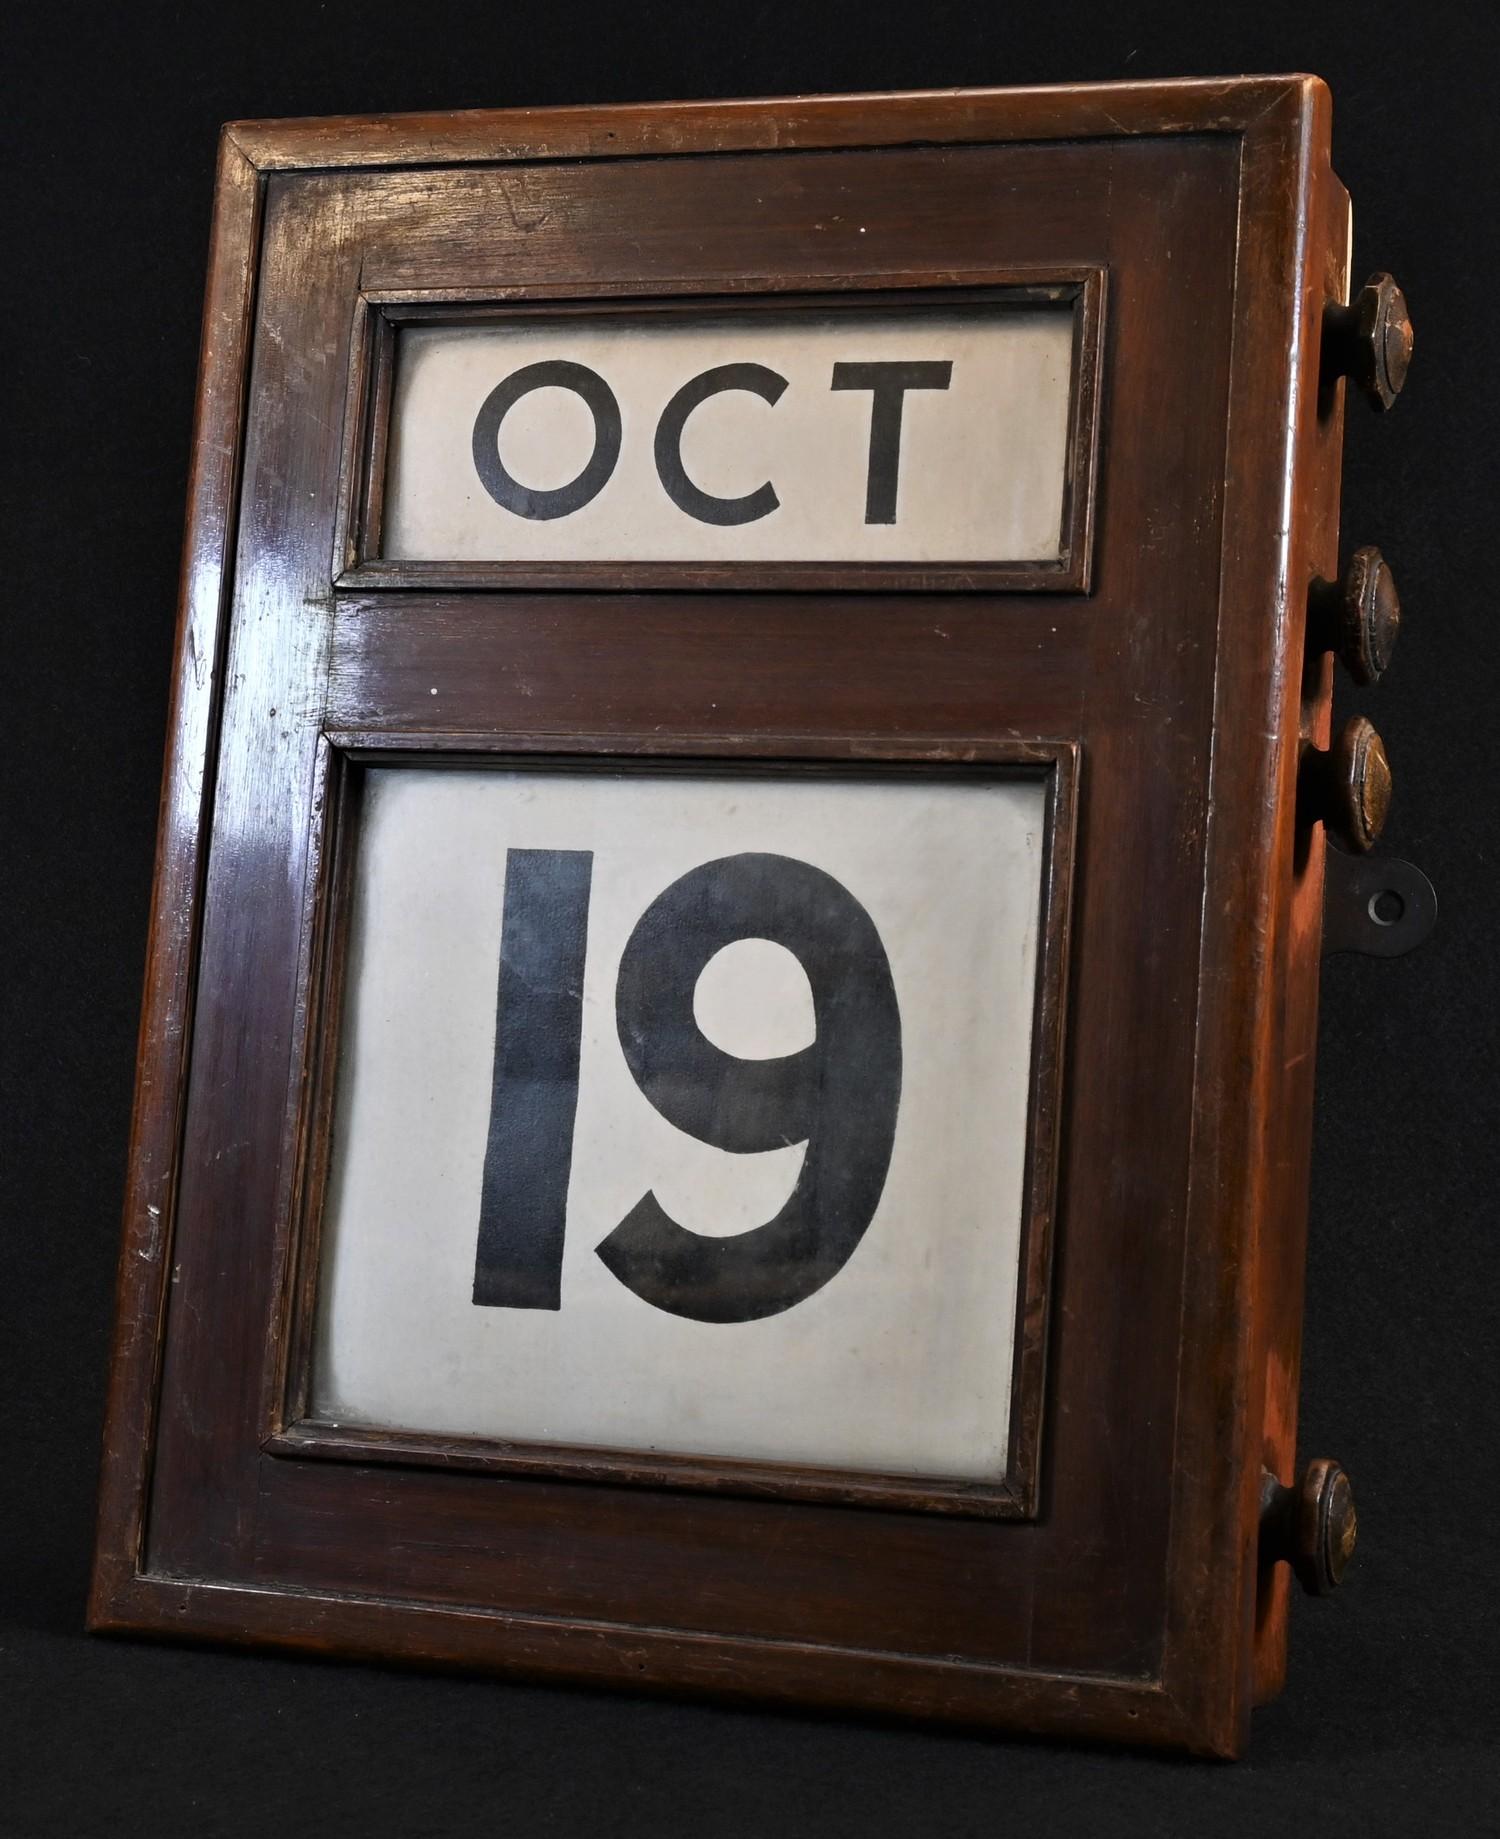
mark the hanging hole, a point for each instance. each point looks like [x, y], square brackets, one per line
[1386, 907]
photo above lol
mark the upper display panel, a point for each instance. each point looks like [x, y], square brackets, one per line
[865, 432]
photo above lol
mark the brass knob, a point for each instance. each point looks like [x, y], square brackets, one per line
[1358, 616]
[1348, 788]
[1311, 1524]
[1369, 341]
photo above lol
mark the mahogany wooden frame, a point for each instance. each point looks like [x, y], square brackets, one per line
[1132, 1605]
[293, 1430]
[373, 357]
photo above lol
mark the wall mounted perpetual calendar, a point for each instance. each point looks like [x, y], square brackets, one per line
[725, 1087]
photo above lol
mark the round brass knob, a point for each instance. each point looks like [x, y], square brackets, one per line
[1312, 1525]
[1369, 341]
[1327, 1527]
[1348, 789]
[1358, 616]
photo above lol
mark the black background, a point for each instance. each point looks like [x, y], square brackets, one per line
[1389, 1719]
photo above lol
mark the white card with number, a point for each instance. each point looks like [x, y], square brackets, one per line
[682, 1111]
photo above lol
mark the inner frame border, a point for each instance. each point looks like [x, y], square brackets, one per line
[290, 1429]
[369, 405]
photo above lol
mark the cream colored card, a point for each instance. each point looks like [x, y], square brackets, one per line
[871, 1018]
[833, 434]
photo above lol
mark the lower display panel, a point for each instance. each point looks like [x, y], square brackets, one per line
[686, 1112]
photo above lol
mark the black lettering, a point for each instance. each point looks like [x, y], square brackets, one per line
[839, 1096]
[888, 384]
[707, 507]
[534, 1095]
[557, 373]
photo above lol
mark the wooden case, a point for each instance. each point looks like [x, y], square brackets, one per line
[1119, 1593]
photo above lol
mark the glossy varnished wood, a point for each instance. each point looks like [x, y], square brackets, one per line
[182, 840]
[1131, 1605]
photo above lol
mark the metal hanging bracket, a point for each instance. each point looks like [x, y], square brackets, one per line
[1378, 905]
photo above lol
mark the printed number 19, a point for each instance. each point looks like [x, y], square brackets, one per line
[840, 1094]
